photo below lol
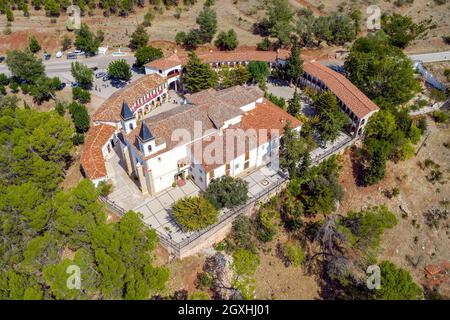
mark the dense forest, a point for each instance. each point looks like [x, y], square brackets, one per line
[46, 232]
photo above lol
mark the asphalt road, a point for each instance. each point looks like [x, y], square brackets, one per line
[431, 57]
[56, 67]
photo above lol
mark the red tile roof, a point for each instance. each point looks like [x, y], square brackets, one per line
[110, 109]
[265, 115]
[92, 157]
[346, 91]
[165, 63]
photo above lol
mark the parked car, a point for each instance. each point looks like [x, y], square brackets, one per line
[47, 56]
[106, 78]
[71, 56]
[62, 86]
[59, 54]
[2, 58]
[74, 84]
[94, 68]
[78, 52]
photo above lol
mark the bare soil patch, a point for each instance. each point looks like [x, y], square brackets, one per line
[411, 244]
[274, 280]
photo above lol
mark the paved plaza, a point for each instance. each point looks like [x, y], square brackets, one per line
[156, 209]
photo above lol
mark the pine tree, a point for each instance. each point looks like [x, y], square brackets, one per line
[139, 38]
[294, 104]
[199, 76]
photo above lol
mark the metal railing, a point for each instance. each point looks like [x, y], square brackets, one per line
[348, 140]
[222, 220]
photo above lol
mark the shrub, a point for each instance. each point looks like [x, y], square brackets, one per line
[199, 295]
[194, 213]
[80, 117]
[293, 253]
[4, 80]
[227, 192]
[277, 101]
[81, 95]
[264, 45]
[267, 225]
[78, 138]
[396, 284]
[242, 233]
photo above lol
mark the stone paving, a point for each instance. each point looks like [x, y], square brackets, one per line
[156, 209]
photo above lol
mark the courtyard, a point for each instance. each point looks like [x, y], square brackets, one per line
[156, 210]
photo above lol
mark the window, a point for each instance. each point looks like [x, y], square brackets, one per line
[201, 179]
[159, 159]
[246, 164]
[211, 174]
[131, 126]
[236, 166]
[149, 148]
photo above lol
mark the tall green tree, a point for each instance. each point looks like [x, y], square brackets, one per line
[279, 19]
[25, 65]
[331, 119]
[33, 44]
[401, 29]
[199, 76]
[207, 21]
[294, 153]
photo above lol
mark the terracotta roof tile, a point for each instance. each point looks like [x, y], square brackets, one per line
[92, 157]
[346, 91]
[110, 109]
[165, 63]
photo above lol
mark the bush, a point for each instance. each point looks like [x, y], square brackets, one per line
[227, 40]
[264, 45]
[227, 192]
[81, 95]
[440, 117]
[293, 253]
[104, 188]
[194, 213]
[242, 233]
[80, 117]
